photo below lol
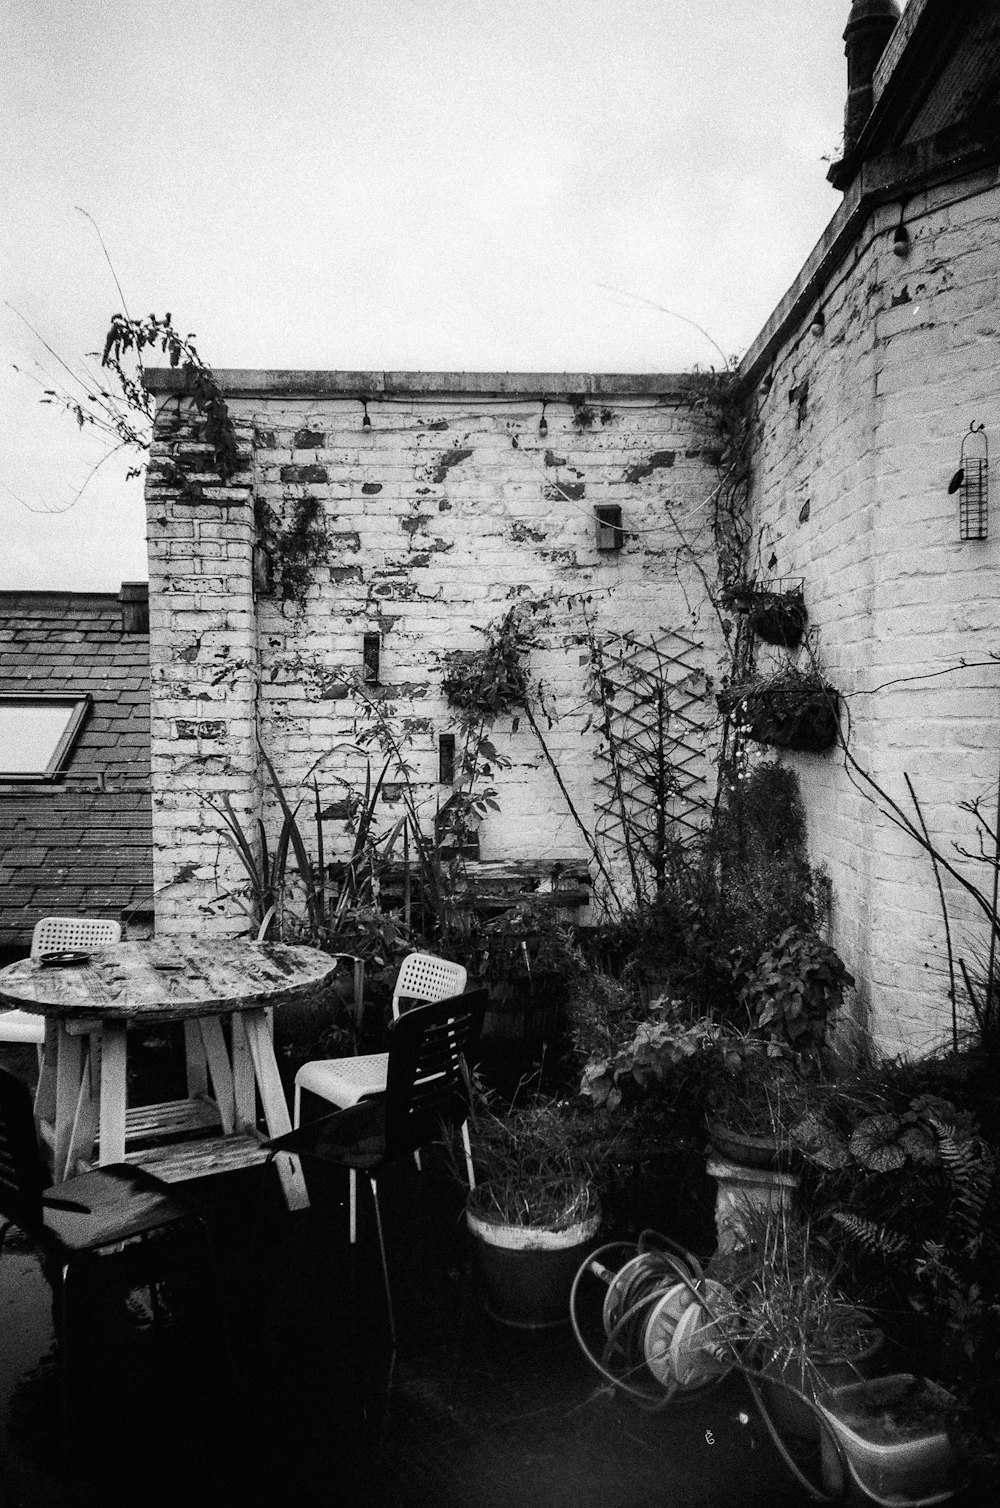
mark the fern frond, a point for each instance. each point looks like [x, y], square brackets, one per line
[878, 1240]
[969, 1165]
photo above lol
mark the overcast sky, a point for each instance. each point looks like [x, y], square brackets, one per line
[432, 184]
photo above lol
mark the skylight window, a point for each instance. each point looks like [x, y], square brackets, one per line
[37, 734]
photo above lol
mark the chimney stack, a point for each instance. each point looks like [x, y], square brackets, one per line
[134, 599]
[869, 27]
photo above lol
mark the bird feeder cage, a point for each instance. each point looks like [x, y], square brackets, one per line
[971, 481]
[610, 534]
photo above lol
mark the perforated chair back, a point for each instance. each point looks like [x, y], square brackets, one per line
[53, 933]
[427, 1081]
[423, 977]
[22, 1172]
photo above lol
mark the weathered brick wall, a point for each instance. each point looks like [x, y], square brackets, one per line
[859, 436]
[203, 681]
[447, 509]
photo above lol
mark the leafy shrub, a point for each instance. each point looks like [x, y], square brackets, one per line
[792, 991]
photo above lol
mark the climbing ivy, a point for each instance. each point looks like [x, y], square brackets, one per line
[294, 549]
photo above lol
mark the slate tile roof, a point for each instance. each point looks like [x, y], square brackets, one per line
[82, 845]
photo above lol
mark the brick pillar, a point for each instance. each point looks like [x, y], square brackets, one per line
[203, 677]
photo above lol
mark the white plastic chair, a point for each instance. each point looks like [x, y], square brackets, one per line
[51, 935]
[422, 979]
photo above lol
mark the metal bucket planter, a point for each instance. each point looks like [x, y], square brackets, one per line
[528, 1271]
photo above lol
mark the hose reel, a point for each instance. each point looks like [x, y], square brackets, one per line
[669, 1334]
[664, 1321]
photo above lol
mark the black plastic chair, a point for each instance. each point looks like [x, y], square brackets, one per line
[426, 1093]
[116, 1212]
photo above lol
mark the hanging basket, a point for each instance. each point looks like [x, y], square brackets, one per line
[777, 612]
[788, 712]
[779, 617]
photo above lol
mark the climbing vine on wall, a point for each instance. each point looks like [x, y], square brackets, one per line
[123, 411]
[292, 550]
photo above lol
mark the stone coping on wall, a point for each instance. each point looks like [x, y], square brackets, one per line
[249, 382]
[896, 174]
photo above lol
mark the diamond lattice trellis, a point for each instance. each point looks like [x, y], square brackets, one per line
[654, 772]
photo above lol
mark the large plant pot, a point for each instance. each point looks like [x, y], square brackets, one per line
[894, 1453]
[528, 1272]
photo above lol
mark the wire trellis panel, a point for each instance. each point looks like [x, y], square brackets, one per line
[654, 770]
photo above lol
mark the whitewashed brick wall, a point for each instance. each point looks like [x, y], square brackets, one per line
[853, 498]
[438, 517]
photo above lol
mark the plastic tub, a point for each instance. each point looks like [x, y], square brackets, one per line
[890, 1463]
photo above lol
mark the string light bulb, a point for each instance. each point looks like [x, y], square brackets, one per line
[543, 423]
[366, 422]
[819, 323]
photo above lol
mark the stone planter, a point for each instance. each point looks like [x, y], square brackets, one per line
[773, 1151]
[742, 1190]
[528, 1271]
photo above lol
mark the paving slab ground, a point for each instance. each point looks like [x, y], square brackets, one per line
[303, 1401]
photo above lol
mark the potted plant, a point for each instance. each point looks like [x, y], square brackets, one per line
[794, 988]
[797, 1330]
[753, 1102]
[534, 1210]
[792, 709]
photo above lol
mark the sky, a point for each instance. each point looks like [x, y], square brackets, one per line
[473, 185]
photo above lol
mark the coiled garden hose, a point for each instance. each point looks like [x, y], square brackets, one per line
[667, 1336]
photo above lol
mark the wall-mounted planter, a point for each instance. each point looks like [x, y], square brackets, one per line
[779, 617]
[777, 613]
[790, 710]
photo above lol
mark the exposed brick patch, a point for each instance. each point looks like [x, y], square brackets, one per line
[659, 460]
[311, 473]
[450, 459]
[207, 728]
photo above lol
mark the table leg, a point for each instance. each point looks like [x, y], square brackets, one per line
[244, 1083]
[197, 1068]
[69, 1059]
[81, 1142]
[114, 1093]
[272, 1097]
[220, 1069]
[45, 1091]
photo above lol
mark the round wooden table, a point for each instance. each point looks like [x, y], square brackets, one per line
[88, 1008]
